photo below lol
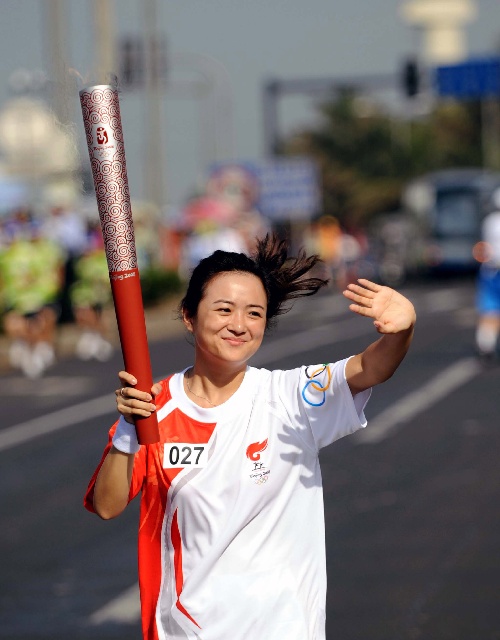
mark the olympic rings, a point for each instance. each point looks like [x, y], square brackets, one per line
[316, 385]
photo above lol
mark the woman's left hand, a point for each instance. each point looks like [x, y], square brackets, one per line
[391, 311]
[131, 402]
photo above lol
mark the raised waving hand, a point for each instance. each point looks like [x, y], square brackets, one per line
[391, 311]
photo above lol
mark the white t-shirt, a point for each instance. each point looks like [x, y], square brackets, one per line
[491, 235]
[231, 536]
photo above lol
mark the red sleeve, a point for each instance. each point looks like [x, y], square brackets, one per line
[138, 473]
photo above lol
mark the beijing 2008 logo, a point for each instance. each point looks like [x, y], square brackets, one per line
[259, 473]
[101, 135]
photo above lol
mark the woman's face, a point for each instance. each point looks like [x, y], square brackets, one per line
[231, 319]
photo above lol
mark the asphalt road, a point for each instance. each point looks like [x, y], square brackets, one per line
[411, 506]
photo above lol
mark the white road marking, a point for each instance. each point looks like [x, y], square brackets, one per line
[394, 417]
[126, 608]
[47, 386]
[76, 414]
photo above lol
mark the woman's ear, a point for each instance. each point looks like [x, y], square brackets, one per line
[187, 321]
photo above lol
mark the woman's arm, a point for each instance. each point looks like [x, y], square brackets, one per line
[394, 317]
[112, 486]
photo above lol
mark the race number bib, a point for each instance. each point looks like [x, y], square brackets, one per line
[179, 455]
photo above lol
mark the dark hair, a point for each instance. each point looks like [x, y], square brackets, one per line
[280, 274]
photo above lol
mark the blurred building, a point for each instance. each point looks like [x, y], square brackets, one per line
[38, 151]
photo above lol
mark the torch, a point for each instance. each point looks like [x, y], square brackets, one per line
[103, 128]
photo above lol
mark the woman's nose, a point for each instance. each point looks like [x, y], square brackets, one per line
[237, 323]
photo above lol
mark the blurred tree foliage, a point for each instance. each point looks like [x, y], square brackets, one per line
[365, 156]
[158, 284]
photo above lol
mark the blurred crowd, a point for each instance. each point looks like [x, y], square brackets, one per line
[53, 269]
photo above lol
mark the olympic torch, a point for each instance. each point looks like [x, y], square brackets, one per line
[103, 128]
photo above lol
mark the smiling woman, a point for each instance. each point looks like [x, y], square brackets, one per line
[228, 329]
[220, 553]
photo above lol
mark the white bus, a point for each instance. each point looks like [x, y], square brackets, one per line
[438, 225]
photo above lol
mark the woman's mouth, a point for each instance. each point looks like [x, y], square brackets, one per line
[235, 341]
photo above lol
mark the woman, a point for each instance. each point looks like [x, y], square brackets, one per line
[231, 539]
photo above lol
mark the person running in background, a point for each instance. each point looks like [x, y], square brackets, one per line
[31, 275]
[66, 227]
[488, 284]
[231, 534]
[90, 295]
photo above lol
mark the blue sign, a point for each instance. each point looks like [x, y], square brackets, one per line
[286, 188]
[473, 79]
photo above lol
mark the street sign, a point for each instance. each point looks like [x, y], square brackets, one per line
[473, 79]
[287, 189]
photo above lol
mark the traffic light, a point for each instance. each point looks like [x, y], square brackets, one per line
[411, 78]
[134, 58]
[132, 62]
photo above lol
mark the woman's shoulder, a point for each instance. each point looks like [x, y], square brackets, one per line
[293, 376]
[274, 381]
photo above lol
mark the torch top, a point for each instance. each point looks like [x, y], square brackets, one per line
[100, 87]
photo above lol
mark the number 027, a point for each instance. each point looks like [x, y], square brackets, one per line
[178, 455]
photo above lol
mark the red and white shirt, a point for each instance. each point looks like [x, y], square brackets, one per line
[231, 534]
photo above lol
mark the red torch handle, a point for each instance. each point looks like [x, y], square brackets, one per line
[129, 310]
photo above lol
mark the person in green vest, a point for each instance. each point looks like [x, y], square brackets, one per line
[90, 296]
[31, 280]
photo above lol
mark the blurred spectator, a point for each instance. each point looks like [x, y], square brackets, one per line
[391, 247]
[19, 224]
[488, 284]
[31, 279]
[67, 228]
[350, 253]
[239, 187]
[252, 227]
[3, 235]
[353, 249]
[329, 244]
[208, 223]
[207, 237]
[147, 235]
[90, 294]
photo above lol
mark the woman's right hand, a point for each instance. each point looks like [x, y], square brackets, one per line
[132, 402]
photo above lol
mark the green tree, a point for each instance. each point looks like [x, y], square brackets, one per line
[365, 156]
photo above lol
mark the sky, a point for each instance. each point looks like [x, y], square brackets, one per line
[226, 49]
